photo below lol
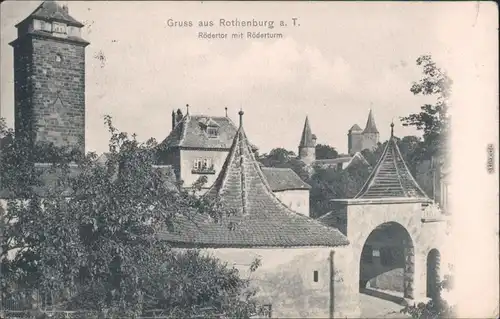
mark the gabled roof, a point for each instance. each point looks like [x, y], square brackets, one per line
[282, 179]
[307, 137]
[391, 178]
[370, 124]
[51, 11]
[190, 133]
[260, 219]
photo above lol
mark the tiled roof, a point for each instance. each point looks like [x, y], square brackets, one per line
[259, 219]
[391, 177]
[50, 11]
[355, 128]
[281, 179]
[307, 137]
[190, 133]
[370, 124]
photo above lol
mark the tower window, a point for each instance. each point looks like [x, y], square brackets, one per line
[58, 27]
[315, 276]
[58, 58]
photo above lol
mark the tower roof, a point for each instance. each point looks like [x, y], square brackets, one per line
[355, 128]
[51, 11]
[370, 124]
[391, 178]
[307, 137]
[259, 217]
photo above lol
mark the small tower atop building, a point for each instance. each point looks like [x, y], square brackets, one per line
[355, 139]
[370, 134]
[307, 145]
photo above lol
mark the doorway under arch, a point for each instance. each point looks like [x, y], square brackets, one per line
[387, 263]
[433, 278]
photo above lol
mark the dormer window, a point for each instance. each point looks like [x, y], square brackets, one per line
[210, 127]
[213, 132]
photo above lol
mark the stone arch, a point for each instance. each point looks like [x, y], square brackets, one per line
[433, 273]
[387, 261]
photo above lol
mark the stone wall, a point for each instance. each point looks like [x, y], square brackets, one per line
[364, 216]
[53, 103]
[286, 279]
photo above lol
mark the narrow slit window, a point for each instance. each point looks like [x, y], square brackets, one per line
[315, 275]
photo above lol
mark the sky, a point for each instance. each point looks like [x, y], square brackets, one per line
[343, 59]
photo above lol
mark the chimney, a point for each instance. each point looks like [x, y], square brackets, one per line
[173, 120]
[226, 110]
[65, 8]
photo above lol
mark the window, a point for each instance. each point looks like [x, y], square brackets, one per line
[212, 132]
[315, 275]
[367, 254]
[203, 165]
[197, 164]
[266, 311]
[58, 27]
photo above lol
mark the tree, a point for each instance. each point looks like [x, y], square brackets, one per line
[326, 152]
[278, 157]
[330, 183]
[438, 308]
[91, 237]
[434, 119]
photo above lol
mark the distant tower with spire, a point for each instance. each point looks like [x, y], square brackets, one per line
[307, 145]
[358, 140]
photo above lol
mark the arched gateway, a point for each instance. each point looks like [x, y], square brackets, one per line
[392, 226]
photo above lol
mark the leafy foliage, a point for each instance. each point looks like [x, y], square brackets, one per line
[434, 119]
[326, 152]
[90, 229]
[434, 309]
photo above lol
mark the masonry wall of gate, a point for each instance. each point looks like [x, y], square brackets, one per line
[362, 217]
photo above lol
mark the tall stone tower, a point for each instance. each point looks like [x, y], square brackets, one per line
[49, 77]
[370, 133]
[307, 146]
[355, 139]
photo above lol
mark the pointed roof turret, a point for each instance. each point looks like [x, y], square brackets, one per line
[370, 124]
[259, 218]
[391, 178]
[307, 137]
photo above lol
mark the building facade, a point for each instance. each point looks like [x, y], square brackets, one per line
[49, 72]
[305, 265]
[395, 231]
[358, 139]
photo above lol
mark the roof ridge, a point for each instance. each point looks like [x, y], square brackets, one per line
[409, 173]
[369, 181]
[397, 169]
[386, 180]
